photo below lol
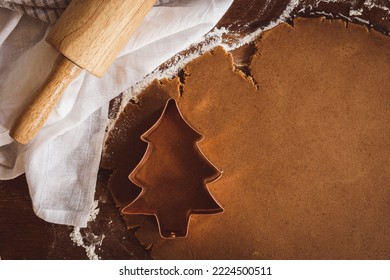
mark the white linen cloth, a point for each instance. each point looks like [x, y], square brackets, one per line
[62, 161]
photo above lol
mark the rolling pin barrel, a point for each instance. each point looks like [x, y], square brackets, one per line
[89, 35]
[45, 99]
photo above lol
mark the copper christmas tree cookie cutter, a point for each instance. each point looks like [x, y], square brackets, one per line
[173, 175]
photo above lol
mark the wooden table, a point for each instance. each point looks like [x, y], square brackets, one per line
[25, 236]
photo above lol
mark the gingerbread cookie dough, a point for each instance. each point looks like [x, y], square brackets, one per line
[303, 142]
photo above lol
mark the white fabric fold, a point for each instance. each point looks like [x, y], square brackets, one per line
[61, 163]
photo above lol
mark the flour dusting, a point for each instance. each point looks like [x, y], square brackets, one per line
[286, 14]
[357, 12]
[88, 241]
[371, 4]
[94, 212]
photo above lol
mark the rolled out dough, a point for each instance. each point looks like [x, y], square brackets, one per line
[304, 145]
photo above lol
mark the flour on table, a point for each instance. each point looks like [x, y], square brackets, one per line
[372, 4]
[88, 241]
[355, 12]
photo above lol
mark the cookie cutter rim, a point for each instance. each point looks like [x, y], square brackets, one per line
[146, 156]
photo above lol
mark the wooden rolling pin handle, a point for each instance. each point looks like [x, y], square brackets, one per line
[36, 113]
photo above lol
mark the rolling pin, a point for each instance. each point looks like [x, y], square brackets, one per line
[89, 35]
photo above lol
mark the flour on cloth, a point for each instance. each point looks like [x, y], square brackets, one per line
[61, 163]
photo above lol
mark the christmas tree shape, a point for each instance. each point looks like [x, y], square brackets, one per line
[173, 175]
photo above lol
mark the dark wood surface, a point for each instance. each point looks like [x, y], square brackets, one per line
[25, 236]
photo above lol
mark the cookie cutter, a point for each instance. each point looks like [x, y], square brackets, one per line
[173, 175]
